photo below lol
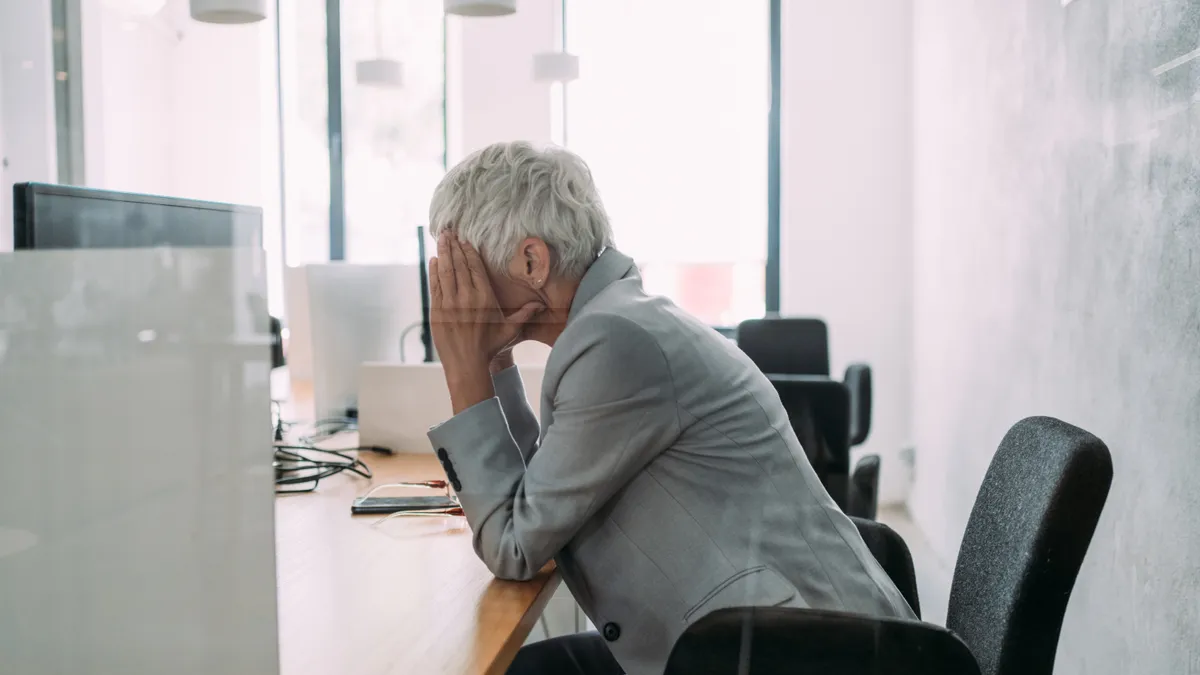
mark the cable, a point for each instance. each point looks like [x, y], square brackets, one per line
[331, 426]
[295, 468]
[404, 334]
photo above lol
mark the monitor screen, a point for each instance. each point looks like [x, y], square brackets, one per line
[57, 216]
[63, 217]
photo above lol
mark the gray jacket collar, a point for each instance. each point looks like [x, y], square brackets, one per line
[610, 266]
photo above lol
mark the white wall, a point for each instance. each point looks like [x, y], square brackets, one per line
[493, 96]
[846, 252]
[179, 103]
[127, 106]
[181, 108]
[26, 102]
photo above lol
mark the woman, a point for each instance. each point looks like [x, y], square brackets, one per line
[664, 478]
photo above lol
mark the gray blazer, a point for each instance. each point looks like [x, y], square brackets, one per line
[665, 481]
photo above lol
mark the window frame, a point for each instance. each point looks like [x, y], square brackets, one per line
[773, 159]
[335, 122]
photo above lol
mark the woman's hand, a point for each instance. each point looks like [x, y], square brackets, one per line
[469, 328]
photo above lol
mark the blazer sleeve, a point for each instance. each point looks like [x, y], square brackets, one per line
[522, 423]
[614, 410]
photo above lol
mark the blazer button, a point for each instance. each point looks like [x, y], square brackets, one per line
[611, 631]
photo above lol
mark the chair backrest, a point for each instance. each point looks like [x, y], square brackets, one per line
[862, 499]
[858, 381]
[818, 409]
[791, 641]
[786, 346]
[893, 556]
[1025, 541]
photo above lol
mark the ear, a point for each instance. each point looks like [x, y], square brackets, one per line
[531, 265]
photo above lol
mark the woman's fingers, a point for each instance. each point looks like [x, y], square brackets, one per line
[462, 273]
[479, 277]
[435, 284]
[445, 270]
[524, 315]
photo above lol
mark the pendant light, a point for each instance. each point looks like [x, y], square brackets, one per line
[480, 7]
[379, 71]
[559, 65]
[229, 11]
[555, 67]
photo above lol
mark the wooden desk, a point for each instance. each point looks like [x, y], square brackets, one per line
[408, 596]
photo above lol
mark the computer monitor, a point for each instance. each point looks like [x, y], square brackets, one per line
[67, 217]
[357, 314]
[60, 216]
[426, 327]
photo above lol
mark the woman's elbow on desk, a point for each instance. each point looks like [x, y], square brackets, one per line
[509, 568]
[505, 559]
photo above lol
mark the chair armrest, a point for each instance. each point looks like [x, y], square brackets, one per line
[827, 403]
[790, 641]
[858, 381]
[892, 554]
[863, 498]
[276, 329]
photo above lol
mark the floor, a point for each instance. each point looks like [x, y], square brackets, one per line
[933, 584]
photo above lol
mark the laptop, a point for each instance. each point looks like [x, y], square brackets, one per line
[398, 403]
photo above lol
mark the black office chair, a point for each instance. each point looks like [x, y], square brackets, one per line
[789, 346]
[784, 641]
[893, 556]
[276, 329]
[1025, 541]
[794, 355]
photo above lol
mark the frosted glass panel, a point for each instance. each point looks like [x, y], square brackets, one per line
[136, 498]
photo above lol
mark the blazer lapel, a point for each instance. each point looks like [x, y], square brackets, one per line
[610, 266]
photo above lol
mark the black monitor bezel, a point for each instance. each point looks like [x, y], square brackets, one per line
[25, 194]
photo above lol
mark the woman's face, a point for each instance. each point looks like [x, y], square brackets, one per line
[526, 277]
[512, 293]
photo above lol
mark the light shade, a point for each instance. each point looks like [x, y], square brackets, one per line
[555, 67]
[380, 73]
[480, 7]
[136, 7]
[229, 11]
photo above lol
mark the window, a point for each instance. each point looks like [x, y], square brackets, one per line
[174, 107]
[304, 105]
[394, 134]
[167, 105]
[673, 120]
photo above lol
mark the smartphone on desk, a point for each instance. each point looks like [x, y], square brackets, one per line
[385, 505]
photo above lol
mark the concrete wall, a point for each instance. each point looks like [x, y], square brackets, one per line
[1057, 272]
[847, 198]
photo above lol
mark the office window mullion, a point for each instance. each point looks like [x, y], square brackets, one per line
[68, 90]
[773, 160]
[337, 163]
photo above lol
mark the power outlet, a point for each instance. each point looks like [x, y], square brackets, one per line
[908, 463]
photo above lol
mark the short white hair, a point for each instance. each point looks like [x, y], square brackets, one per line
[507, 192]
